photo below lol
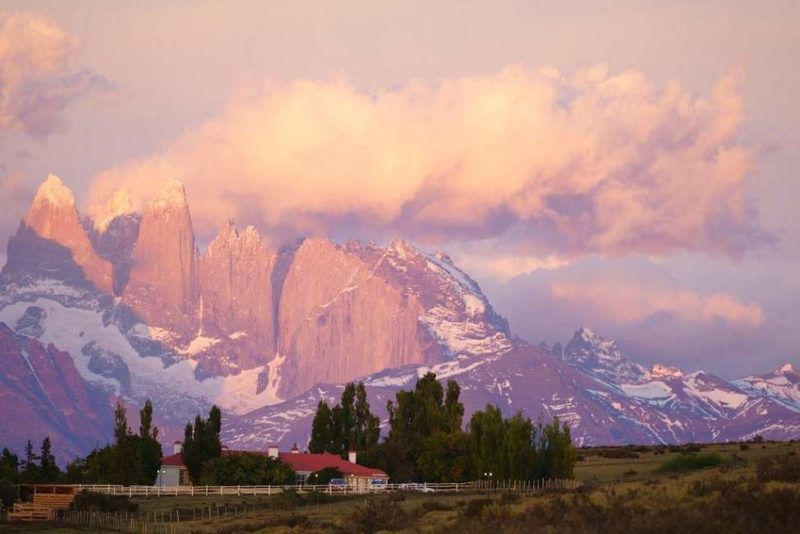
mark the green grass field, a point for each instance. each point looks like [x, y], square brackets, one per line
[643, 492]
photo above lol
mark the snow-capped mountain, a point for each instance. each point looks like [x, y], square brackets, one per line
[601, 358]
[142, 313]
[43, 394]
[664, 406]
[782, 385]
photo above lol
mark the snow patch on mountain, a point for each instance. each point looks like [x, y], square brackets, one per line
[72, 329]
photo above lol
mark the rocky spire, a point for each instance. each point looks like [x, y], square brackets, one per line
[162, 286]
[235, 276]
[53, 217]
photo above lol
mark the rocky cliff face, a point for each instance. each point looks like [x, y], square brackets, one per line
[51, 242]
[338, 318]
[162, 287]
[236, 301]
[42, 394]
[244, 323]
[264, 334]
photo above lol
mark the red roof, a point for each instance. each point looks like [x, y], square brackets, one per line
[299, 462]
[173, 460]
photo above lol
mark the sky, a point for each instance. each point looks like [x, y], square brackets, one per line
[627, 166]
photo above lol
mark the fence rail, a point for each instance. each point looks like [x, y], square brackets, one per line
[170, 521]
[200, 491]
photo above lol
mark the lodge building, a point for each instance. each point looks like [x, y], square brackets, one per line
[174, 473]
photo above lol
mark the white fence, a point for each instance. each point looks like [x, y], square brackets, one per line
[525, 486]
[199, 491]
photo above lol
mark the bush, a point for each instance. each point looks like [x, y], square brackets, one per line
[324, 476]
[785, 468]
[287, 499]
[691, 462]
[743, 446]
[8, 493]
[380, 513]
[97, 502]
[474, 507]
[432, 505]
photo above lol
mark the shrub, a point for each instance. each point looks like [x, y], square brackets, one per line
[377, 514]
[474, 507]
[630, 473]
[743, 446]
[288, 499]
[432, 505]
[97, 502]
[691, 462]
[783, 468]
[8, 493]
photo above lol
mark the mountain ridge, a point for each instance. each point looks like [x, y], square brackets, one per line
[259, 332]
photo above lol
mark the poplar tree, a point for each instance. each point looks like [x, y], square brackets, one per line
[201, 442]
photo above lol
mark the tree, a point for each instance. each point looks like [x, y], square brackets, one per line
[487, 435]
[556, 452]
[150, 452]
[30, 468]
[48, 469]
[349, 425]
[9, 465]
[125, 456]
[367, 425]
[324, 476]
[201, 442]
[445, 457]
[245, 469]
[415, 417]
[322, 430]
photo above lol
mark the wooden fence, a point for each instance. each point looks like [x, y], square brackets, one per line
[528, 486]
[170, 521]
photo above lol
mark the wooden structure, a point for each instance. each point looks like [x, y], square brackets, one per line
[46, 500]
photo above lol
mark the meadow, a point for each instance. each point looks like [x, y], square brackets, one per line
[753, 487]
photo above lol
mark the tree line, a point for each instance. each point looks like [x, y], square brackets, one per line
[426, 440]
[133, 458]
[202, 454]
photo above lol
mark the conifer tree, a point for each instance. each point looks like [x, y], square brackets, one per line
[201, 442]
[30, 468]
[48, 469]
[150, 452]
[322, 430]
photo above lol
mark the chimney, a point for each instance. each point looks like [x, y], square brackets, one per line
[177, 447]
[295, 450]
[272, 451]
[351, 456]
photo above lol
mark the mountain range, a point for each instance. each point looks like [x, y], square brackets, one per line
[130, 309]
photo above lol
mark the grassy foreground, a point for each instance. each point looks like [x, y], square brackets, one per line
[715, 488]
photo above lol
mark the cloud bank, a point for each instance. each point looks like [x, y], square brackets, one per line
[586, 162]
[624, 302]
[37, 78]
[656, 314]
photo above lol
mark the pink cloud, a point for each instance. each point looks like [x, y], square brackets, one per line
[37, 79]
[626, 301]
[557, 163]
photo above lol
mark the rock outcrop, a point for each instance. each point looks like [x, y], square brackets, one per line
[338, 319]
[42, 394]
[236, 302]
[52, 244]
[162, 286]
